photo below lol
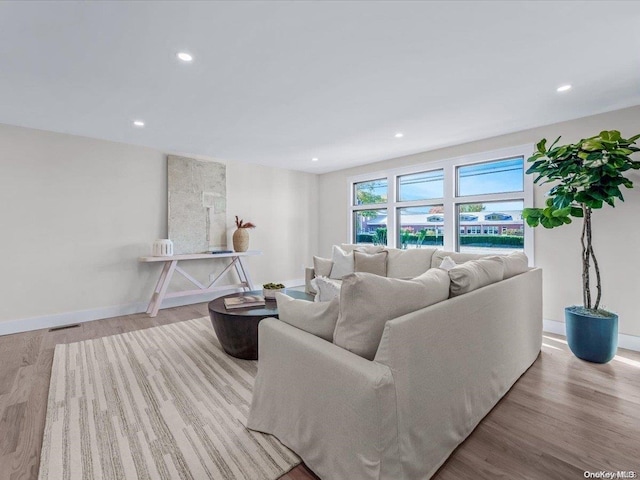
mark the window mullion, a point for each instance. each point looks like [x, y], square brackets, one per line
[392, 211]
[450, 233]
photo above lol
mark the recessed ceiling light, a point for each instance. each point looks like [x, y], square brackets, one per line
[138, 123]
[184, 56]
[563, 88]
[399, 135]
[314, 159]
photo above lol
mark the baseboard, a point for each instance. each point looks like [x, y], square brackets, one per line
[69, 318]
[630, 342]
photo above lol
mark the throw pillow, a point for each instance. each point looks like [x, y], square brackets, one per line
[457, 257]
[475, 274]
[408, 263]
[327, 289]
[514, 264]
[375, 263]
[368, 301]
[342, 263]
[447, 264]
[322, 266]
[318, 319]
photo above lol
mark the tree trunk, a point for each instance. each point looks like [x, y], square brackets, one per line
[587, 255]
[585, 239]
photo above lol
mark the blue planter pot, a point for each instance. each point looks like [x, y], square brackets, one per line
[594, 339]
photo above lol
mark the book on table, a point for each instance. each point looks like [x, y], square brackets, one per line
[244, 301]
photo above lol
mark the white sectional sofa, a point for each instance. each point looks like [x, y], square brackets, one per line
[436, 373]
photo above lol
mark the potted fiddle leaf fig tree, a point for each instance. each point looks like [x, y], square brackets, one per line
[585, 176]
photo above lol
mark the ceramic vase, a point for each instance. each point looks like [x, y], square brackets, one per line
[241, 240]
[162, 248]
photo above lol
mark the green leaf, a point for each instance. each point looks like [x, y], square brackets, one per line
[533, 221]
[531, 213]
[591, 145]
[541, 146]
[562, 201]
[604, 135]
[563, 212]
[577, 212]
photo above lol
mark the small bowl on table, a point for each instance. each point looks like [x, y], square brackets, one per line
[269, 290]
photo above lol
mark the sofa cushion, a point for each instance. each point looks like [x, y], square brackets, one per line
[375, 263]
[322, 266]
[408, 263]
[318, 319]
[368, 301]
[342, 263]
[447, 263]
[362, 247]
[457, 257]
[326, 288]
[514, 264]
[475, 274]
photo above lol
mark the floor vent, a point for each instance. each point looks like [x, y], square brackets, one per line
[64, 327]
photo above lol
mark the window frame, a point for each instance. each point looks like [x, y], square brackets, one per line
[450, 199]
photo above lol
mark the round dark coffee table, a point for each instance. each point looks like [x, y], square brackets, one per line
[237, 329]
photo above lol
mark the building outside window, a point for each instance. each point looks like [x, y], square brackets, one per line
[466, 204]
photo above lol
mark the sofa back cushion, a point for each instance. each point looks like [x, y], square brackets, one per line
[408, 263]
[368, 301]
[362, 247]
[475, 274]
[322, 266]
[318, 319]
[514, 264]
[375, 263]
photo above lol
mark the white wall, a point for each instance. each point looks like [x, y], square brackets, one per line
[557, 251]
[75, 213]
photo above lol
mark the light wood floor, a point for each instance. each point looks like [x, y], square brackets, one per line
[563, 417]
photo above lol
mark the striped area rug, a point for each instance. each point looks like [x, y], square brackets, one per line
[160, 403]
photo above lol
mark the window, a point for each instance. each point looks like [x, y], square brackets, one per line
[421, 186]
[418, 228]
[371, 192]
[466, 204]
[491, 177]
[370, 226]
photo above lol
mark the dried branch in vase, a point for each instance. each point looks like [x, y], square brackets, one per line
[242, 224]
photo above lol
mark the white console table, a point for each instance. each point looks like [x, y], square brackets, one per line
[171, 266]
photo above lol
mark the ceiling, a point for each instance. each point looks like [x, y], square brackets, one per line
[279, 83]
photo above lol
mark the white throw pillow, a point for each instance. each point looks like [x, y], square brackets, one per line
[475, 274]
[327, 289]
[368, 301]
[514, 264]
[322, 266]
[318, 319]
[342, 263]
[447, 264]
